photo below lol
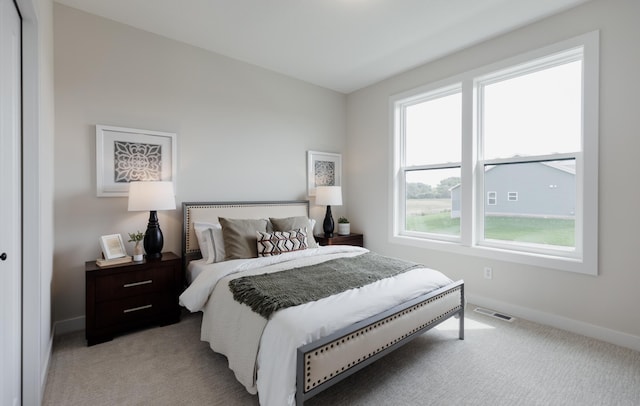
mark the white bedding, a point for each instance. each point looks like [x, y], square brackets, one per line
[228, 324]
[194, 269]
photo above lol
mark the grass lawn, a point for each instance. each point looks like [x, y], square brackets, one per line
[531, 229]
[522, 229]
[439, 223]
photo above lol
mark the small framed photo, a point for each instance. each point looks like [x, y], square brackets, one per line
[112, 246]
[323, 169]
[126, 155]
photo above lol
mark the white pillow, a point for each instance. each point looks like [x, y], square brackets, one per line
[312, 241]
[209, 236]
[200, 229]
[218, 243]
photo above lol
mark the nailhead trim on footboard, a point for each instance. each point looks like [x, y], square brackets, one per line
[347, 351]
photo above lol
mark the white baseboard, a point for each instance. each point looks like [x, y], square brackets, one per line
[590, 330]
[69, 325]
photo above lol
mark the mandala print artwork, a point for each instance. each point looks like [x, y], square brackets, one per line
[137, 162]
[325, 173]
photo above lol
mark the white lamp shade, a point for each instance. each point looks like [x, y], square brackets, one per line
[150, 196]
[329, 196]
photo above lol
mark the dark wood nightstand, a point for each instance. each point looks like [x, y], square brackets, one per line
[131, 295]
[351, 239]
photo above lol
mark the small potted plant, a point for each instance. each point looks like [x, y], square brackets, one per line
[137, 249]
[344, 228]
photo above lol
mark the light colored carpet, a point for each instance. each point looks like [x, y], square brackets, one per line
[498, 363]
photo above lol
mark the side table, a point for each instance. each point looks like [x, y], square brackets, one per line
[132, 295]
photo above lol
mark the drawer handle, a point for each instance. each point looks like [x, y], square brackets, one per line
[130, 285]
[135, 309]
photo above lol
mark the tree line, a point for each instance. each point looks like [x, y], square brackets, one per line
[418, 190]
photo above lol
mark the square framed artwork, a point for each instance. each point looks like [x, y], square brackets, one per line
[112, 246]
[126, 155]
[323, 169]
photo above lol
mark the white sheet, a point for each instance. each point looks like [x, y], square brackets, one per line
[194, 269]
[295, 326]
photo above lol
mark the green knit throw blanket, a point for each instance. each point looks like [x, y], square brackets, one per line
[267, 293]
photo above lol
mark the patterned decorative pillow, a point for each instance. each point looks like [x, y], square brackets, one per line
[279, 242]
[292, 223]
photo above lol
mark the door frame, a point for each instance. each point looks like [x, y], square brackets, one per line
[37, 339]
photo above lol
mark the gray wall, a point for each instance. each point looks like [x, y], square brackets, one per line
[532, 183]
[604, 306]
[542, 191]
[243, 133]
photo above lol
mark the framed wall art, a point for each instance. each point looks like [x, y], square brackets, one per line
[323, 169]
[126, 155]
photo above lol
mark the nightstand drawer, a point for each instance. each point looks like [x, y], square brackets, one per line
[133, 283]
[133, 309]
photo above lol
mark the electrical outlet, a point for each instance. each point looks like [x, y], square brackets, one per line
[488, 273]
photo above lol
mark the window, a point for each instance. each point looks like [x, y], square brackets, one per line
[492, 198]
[429, 173]
[527, 124]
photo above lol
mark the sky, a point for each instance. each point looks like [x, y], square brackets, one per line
[534, 114]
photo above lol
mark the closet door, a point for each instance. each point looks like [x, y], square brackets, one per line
[10, 204]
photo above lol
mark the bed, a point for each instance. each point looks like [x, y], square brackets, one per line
[293, 353]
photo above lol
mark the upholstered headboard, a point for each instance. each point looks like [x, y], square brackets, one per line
[209, 212]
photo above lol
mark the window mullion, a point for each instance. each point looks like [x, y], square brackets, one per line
[448, 165]
[467, 169]
[531, 159]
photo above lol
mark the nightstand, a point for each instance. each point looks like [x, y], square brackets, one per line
[351, 239]
[132, 295]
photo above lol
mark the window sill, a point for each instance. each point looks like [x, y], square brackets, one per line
[574, 265]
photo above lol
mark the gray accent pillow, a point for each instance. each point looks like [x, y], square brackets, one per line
[293, 223]
[240, 237]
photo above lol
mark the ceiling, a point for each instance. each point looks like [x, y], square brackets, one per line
[342, 45]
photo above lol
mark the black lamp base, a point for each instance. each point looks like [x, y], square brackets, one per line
[153, 239]
[327, 225]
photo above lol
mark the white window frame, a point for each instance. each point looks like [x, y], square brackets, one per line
[584, 259]
[512, 196]
[433, 93]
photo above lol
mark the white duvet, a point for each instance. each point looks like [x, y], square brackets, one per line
[262, 353]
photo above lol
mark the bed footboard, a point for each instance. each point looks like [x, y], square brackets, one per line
[327, 361]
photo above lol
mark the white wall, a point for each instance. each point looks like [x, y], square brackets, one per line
[243, 133]
[604, 306]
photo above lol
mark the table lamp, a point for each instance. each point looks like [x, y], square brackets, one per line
[152, 196]
[329, 196]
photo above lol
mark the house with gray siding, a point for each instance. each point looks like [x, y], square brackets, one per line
[535, 189]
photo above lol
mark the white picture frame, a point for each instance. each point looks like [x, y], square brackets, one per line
[125, 155]
[323, 169]
[112, 246]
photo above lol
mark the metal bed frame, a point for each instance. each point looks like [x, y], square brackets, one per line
[328, 360]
